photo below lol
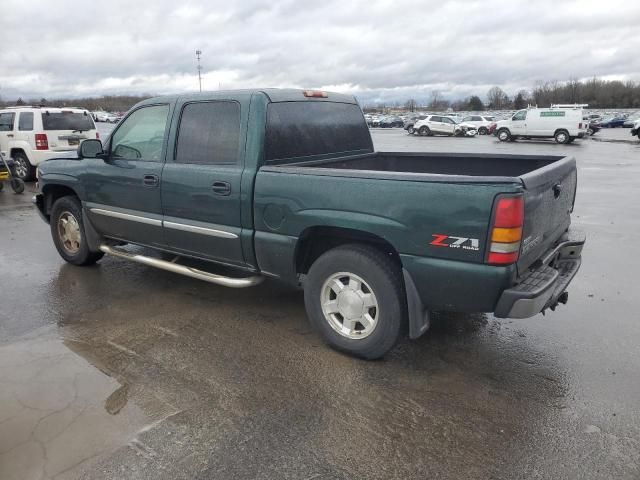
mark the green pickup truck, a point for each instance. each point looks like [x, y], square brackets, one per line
[286, 184]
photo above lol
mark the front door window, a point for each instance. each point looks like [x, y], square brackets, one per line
[141, 135]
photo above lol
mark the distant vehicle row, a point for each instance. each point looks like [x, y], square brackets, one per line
[101, 116]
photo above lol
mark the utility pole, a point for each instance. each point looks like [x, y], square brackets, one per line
[198, 53]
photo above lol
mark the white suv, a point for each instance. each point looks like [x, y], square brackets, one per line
[31, 135]
[481, 122]
[440, 125]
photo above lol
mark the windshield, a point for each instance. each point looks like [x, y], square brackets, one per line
[67, 121]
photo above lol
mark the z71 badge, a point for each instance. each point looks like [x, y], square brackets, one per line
[455, 242]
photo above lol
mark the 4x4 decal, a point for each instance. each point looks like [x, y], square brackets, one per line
[450, 241]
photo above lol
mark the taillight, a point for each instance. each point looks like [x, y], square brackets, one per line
[580, 126]
[98, 135]
[41, 141]
[506, 230]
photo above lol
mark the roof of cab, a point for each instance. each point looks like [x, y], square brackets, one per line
[273, 94]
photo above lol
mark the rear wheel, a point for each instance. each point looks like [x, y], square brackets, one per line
[67, 230]
[411, 130]
[504, 135]
[590, 131]
[562, 137]
[354, 297]
[22, 167]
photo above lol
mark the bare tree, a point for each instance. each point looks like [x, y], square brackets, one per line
[497, 98]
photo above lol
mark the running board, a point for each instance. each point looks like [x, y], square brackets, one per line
[188, 271]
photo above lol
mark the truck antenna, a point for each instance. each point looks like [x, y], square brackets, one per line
[198, 53]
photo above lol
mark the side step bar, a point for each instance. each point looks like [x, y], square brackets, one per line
[181, 269]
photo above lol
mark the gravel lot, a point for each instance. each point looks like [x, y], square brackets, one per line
[120, 371]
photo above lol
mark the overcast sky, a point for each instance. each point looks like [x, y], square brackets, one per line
[379, 50]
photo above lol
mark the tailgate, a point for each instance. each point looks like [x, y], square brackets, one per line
[548, 198]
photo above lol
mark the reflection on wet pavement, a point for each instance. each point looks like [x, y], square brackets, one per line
[53, 415]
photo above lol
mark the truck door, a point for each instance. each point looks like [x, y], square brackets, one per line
[201, 195]
[123, 190]
[519, 123]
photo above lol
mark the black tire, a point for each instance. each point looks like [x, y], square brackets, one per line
[504, 135]
[562, 137]
[424, 131]
[590, 131]
[411, 130]
[482, 131]
[23, 168]
[384, 279]
[81, 255]
[17, 185]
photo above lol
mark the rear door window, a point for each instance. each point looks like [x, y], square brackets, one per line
[67, 120]
[308, 129]
[6, 122]
[25, 122]
[209, 133]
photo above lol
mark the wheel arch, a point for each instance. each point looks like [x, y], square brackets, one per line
[316, 240]
[53, 192]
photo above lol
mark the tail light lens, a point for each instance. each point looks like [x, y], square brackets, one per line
[506, 230]
[98, 135]
[42, 143]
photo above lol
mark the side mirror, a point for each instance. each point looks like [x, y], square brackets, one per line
[91, 148]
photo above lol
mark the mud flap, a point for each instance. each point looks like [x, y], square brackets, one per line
[418, 314]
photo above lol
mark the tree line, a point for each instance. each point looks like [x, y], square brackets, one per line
[595, 92]
[108, 103]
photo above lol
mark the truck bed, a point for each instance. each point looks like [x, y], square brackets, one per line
[458, 164]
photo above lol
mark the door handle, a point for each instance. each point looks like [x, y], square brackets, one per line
[151, 180]
[221, 188]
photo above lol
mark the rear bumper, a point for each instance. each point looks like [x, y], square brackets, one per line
[544, 287]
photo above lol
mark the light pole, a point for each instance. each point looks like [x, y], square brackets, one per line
[198, 53]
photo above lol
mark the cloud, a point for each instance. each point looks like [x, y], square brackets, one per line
[379, 50]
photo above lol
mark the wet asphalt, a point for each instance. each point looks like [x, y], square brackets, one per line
[121, 371]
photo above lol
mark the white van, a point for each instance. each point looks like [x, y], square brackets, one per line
[562, 122]
[31, 135]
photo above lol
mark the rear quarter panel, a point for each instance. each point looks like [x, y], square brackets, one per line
[407, 214]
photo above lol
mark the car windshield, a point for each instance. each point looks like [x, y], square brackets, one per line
[67, 120]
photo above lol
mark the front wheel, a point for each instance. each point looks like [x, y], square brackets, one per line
[424, 131]
[504, 135]
[67, 230]
[411, 130]
[354, 297]
[482, 131]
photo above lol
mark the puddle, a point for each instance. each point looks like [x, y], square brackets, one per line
[57, 412]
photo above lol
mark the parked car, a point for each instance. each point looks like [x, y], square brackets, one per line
[593, 127]
[563, 124]
[635, 130]
[286, 184]
[442, 125]
[101, 116]
[612, 122]
[31, 135]
[481, 122]
[390, 122]
[631, 120]
[410, 122]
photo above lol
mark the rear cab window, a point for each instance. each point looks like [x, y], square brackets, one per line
[315, 130]
[67, 120]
